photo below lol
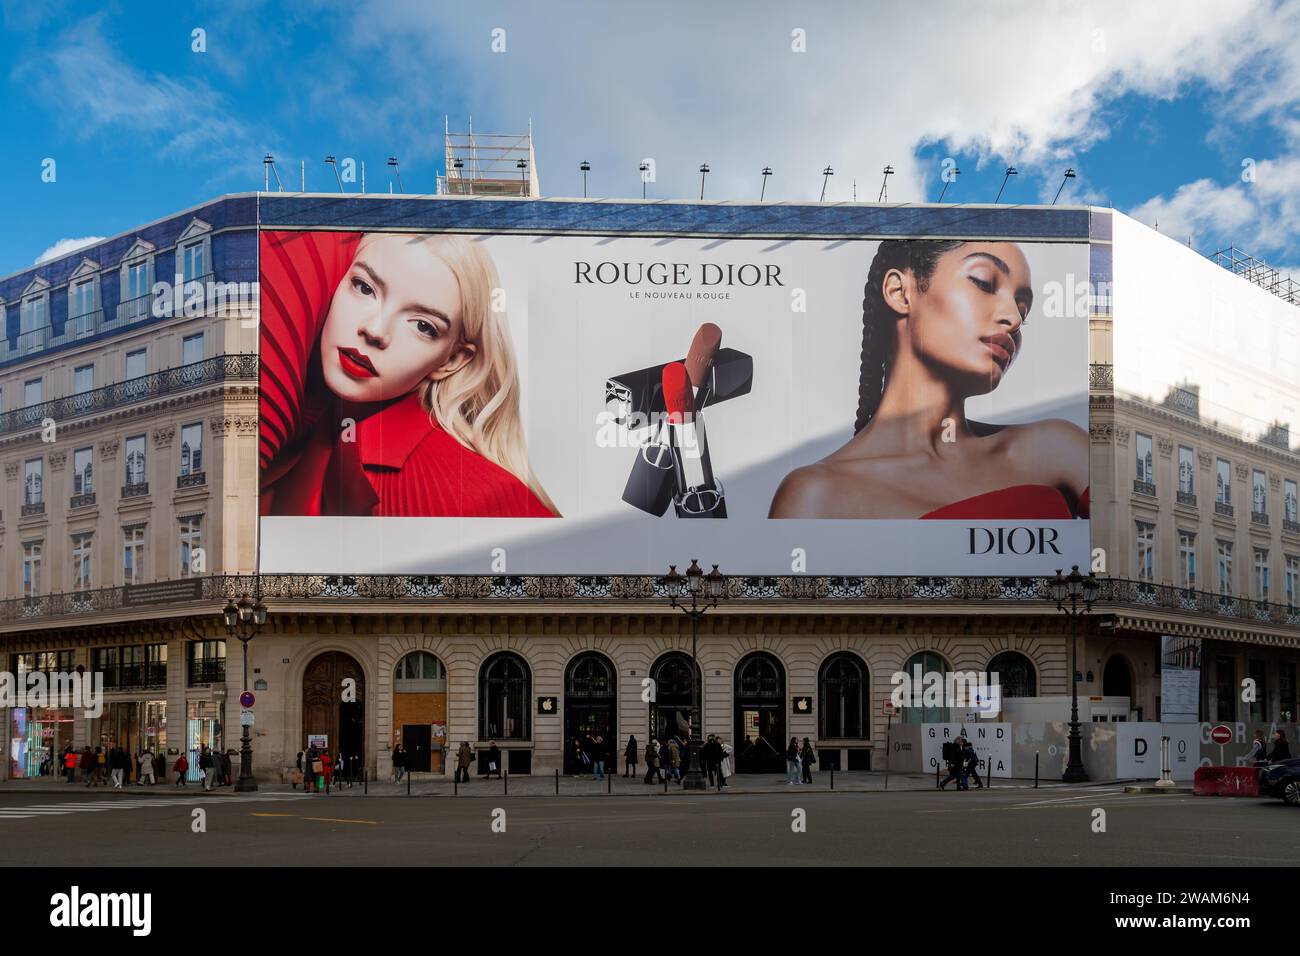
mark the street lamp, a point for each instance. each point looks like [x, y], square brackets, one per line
[585, 167]
[1074, 594]
[703, 591]
[243, 621]
[704, 171]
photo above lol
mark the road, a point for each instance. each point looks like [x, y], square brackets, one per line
[1022, 827]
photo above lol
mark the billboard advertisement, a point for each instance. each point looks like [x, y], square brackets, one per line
[507, 403]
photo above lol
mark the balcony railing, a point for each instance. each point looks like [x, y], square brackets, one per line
[1101, 376]
[137, 490]
[1187, 498]
[206, 672]
[192, 480]
[1141, 487]
[1259, 517]
[82, 326]
[423, 591]
[82, 501]
[1292, 526]
[1223, 508]
[130, 676]
[133, 310]
[33, 508]
[222, 368]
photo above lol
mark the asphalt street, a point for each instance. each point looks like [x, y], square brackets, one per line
[1010, 827]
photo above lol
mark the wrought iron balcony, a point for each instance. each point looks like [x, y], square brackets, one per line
[1259, 517]
[81, 326]
[1141, 487]
[1101, 376]
[1223, 508]
[1187, 498]
[222, 368]
[192, 480]
[1292, 526]
[33, 508]
[82, 501]
[206, 672]
[137, 490]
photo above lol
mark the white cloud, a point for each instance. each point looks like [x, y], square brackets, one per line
[64, 246]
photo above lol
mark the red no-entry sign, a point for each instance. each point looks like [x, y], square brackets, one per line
[246, 699]
[1221, 734]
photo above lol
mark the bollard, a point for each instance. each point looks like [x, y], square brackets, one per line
[505, 783]
[557, 781]
[936, 775]
[455, 785]
[365, 782]
[832, 778]
[666, 776]
[988, 783]
[610, 779]
[1035, 769]
[408, 783]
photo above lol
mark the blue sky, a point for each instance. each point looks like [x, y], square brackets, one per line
[1157, 106]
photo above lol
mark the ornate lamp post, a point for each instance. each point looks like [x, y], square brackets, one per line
[243, 621]
[1074, 594]
[703, 591]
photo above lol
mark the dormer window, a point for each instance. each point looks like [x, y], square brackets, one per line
[136, 279]
[194, 251]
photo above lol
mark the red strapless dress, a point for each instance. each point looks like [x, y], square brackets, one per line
[1009, 504]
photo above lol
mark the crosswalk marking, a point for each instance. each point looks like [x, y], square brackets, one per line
[37, 810]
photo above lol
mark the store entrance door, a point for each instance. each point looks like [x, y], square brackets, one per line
[589, 699]
[417, 739]
[342, 722]
[760, 714]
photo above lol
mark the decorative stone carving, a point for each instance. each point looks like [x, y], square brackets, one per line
[1121, 434]
[1275, 481]
[1205, 458]
[11, 469]
[236, 424]
[1243, 472]
[108, 449]
[1101, 433]
[162, 437]
[1166, 447]
[57, 460]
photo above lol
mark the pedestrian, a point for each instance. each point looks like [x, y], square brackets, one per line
[1258, 749]
[70, 763]
[665, 760]
[464, 757]
[652, 762]
[101, 766]
[952, 757]
[399, 762]
[115, 766]
[313, 767]
[630, 756]
[146, 769]
[792, 762]
[87, 764]
[297, 773]
[724, 768]
[971, 764]
[1281, 749]
[808, 757]
[205, 767]
[227, 764]
[182, 768]
[494, 760]
[675, 759]
[584, 755]
[598, 758]
[713, 760]
[327, 768]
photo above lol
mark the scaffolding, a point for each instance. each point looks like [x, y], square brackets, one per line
[488, 164]
[1242, 263]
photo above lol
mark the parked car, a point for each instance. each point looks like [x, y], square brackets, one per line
[1281, 779]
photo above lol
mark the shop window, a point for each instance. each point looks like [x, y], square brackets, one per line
[504, 687]
[918, 666]
[206, 663]
[844, 698]
[1016, 676]
[420, 673]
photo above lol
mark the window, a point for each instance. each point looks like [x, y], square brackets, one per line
[133, 554]
[844, 698]
[81, 561]
[1258, 498]
[1145, 470]
[191, 541]
[31, 567]
[83, 379]
[1223, 482]
[192, 349]
[1257, 670]
[1225, 566]
[420, 673]
[192, 448]
[1289, 503]
[82, 481]
[1016, 677]
[137, 363]
[1186, 471]
[1146, 549]
[33, 481]
[918, 666]
[192, 258]
[1187, 558]
[46, 662]
[137, 279]
[134, 461]
[1292, 581]
[31, 316]
[207, 662]
[504, 689]
[83, 298]
[32, 392]
[1260, 578]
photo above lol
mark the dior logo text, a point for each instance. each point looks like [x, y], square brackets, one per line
[677, 273]
[1002, 540]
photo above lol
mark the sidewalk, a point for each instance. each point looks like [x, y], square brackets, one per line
[538, 785]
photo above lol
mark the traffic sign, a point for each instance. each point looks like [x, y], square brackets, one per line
[887, 709]
[246, 699]
[1221, 734]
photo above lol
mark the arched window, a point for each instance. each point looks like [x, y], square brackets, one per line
[590, 675]
[1016, 676]
[672, 677]
[844, 698]
[1117, 679]
[419, 672]
[921, 669]
[759, 675]
[505, 684]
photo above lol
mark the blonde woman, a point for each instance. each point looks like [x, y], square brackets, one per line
[396, 391]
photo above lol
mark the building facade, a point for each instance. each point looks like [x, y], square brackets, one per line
[129, 440]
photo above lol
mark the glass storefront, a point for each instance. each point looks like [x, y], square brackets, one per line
[132, 725]
[203, 728]
[37, 736]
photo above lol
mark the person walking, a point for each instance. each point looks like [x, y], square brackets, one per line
[70, 763]
[724, 768]
[652, 773]
[952, 757]
[713, 760]
[665, 760]
[88, 765]
[146, 769]
[205, 766]
[115, 766]
[494, 760]
[312, 768]
[101, 766]
[808, 757]
[327, 768]
[399, 763]
[598, 758]
[464, 757]
[675, 759]
[630, 755]
[182, 768]
[1281, 749]
[971, 764]
[792, 762]
[1258, 749]
[298, 774]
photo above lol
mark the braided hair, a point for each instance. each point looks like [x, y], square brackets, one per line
[879, 331]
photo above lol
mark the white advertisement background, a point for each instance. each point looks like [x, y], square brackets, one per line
[570, 338]
[992, 742]
[1137, 749]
